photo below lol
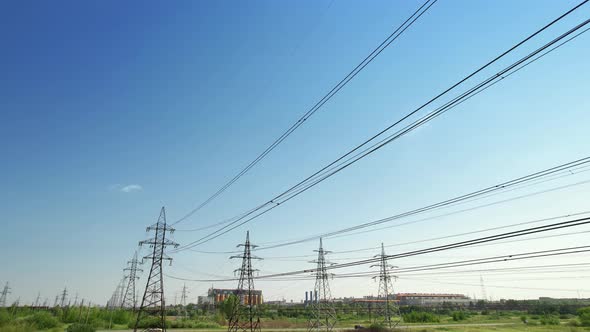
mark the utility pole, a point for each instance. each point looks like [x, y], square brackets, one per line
[387, 308]
[64, 294]
[323, 314]
[245, 316]
[183, 301]
[153, 302]
[5, 292]
[129, 298]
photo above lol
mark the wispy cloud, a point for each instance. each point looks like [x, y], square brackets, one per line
[126, 189]
[131, 188]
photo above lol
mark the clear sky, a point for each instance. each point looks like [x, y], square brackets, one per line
[113, 109]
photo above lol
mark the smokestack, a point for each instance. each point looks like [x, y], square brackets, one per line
[316, 297]
[306, 297]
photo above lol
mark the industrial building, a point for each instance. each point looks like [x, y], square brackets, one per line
[218, 295]
[431, 300]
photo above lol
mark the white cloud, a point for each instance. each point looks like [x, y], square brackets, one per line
[131, 188]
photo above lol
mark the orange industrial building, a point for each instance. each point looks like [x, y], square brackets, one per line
[218, 295]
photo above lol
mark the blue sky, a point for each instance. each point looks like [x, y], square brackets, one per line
[175, 99]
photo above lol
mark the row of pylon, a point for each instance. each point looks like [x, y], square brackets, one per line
[245, 314]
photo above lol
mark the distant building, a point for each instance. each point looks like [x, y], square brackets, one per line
[432, 300]
[218, 295]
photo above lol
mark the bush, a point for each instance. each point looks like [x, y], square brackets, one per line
[584, 315]
[549, 320]
[459, 315]
[77, 327]
[42, 320]
[420, 317]
[149, 322]
[4, 317]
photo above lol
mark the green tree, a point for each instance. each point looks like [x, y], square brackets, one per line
[584, 314]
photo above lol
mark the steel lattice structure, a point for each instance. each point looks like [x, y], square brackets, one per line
[183, 301]
[387, 310]
[64, 296]
[5, 292]
[322, 312]
[245, 316]
[129, 299]
[153, 302]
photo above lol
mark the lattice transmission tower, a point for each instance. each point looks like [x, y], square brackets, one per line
[484, 297]
[183, 297]
[153, 302]
[129, 297]
[323, 314]
[63, 297]
[245, 316]
[387, 310]
[4, 295]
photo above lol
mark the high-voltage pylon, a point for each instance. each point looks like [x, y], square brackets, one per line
[183, 301]
[4, 295]
[387, 310]
[37, 299]
[245, 316]
[117, 296]
[483, 289]
[129, 298]
[153, 302]
[63, 297]
[323, 314]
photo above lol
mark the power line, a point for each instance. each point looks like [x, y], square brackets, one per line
[448, 203]
[330, 169]
[455, 245]
[390, 39]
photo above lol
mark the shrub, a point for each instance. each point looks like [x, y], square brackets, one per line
[148, 322]
[4, 317]
[584, 315]
[42, 320]
[550, 320]
[524, 319]
[459, 315]
[420, 317]
[77, 327]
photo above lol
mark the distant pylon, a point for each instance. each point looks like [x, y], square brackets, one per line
[245, 315]
[56, 301]
[387, 310]
[4, 295]
[323, 314]
[483, 289]
[117, 296]
[37, 299]
[129, 298]
[153, 302]
[64, 294]
[183, 301]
